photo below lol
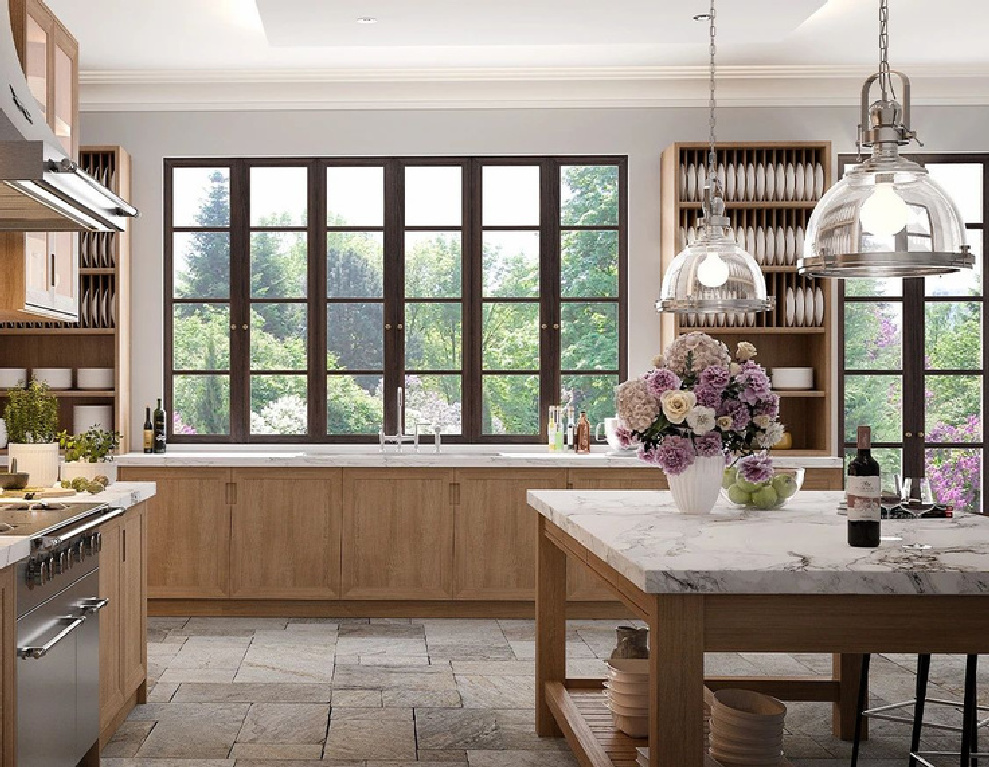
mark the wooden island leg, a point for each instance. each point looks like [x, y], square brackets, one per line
[847, 671]
[551, 626]
[676, 681]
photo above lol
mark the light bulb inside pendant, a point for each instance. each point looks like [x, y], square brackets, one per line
[713, 271]
[884, 213]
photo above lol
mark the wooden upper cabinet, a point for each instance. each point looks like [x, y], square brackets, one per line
[188, 530]
[398, 534]
[496, 531]
[49, 56]
[285, 539]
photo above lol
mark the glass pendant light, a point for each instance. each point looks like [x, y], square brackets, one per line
[713, 274]
[886, 217]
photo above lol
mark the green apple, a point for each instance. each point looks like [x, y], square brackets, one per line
[784, 485]
[739, 496]
[730, 475]
[765, 498]
[746, 486]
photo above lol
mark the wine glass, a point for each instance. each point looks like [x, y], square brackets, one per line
[892, 490]
[918, 490]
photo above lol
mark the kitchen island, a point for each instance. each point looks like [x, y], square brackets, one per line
[774, 581]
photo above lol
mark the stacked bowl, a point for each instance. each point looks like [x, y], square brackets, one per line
[628, 696]
[746, 729]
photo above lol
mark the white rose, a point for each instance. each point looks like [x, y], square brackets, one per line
[771, 436]
[733, 368]
[724, 423]
[762, 421]
[658, 361]
[745, 351]
[700, 419]
[676, 404]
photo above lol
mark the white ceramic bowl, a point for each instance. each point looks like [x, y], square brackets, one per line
[792, 378]
[628, 670]
[11, 378]
[94, 378]
[56, 378]
[634, 726]
[628, 688]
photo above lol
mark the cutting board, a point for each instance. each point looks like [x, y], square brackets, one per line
[40, 492]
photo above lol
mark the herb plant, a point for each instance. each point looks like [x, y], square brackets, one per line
[93, 446]
[32, 415]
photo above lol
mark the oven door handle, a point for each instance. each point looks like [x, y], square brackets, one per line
[93, 606]
[40, 652]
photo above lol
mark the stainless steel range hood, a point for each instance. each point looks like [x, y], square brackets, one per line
[41, 188]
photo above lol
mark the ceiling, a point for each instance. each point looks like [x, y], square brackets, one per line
[192, 42]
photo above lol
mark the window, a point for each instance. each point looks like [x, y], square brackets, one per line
[302, 294]
[915, 354]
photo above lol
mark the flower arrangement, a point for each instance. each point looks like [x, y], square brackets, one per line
[699, 402]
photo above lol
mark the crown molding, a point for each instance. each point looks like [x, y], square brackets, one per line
[501, 88]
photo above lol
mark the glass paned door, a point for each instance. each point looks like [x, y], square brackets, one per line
[914, 358]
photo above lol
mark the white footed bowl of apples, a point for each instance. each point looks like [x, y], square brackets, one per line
[769, 494]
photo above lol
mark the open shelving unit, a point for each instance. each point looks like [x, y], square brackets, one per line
[101, 338]
[762, 215]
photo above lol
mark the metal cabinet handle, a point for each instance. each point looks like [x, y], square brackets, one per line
[93, 606]
[53, 270]
[40, 652]
[908, 434]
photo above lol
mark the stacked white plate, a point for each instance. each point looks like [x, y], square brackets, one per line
[746, 729]
[628, 696]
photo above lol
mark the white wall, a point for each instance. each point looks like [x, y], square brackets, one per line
[641, 134]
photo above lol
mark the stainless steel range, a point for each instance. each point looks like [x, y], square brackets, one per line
[58, 630]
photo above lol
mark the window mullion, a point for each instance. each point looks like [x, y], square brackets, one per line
[240, 309]
[913, 376]
[394, 291]
[472, 406]
[549, 290]
[317, 302]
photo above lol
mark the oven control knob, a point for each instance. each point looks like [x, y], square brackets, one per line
[51, 567]
[33, 574]
[97, 542]
[77, 552]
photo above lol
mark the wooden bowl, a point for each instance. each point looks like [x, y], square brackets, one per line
[13, 480]
[628, 688]
[745, 705]
[633, 726]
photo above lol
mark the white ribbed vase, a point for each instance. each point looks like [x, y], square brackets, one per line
[696, 490]
[40, 461]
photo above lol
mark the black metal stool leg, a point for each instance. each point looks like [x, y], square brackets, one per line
[923, 674]
[860, 707]
[969, 713]
[974, 660]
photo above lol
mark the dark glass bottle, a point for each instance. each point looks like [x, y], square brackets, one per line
[159, 428]
[862, 494]
[149, 432]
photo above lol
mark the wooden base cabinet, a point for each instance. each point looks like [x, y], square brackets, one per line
[285, 534]
[123, 622]
[8, 653]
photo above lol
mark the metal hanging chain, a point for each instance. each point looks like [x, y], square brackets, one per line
[885, 80]
[712, 162]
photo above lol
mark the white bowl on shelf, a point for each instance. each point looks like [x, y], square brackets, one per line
[56, 378]
[12, 378]
[792, 378]
[94, 378]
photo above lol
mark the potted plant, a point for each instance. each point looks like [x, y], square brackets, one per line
[32, 429]
[89, 455]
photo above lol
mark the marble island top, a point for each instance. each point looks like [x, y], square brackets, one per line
[801, 548]
[123, 495]
[450, 456]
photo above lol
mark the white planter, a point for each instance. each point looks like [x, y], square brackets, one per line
[39, 461]
[90, 471]
[696, 490]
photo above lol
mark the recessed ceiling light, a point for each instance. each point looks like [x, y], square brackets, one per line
[366, 20]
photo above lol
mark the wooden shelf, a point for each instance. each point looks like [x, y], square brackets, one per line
[743, 330]
[97, 270]
[786, 393]
[76, 393]
[762, 205]
[57, 331]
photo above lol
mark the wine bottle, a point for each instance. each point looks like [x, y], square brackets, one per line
[862, 494]
[583, 437]
[571, 444]
[159, 428]
[149, 433]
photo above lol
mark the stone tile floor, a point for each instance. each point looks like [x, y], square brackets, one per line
[271, 692]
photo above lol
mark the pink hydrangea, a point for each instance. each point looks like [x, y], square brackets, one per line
[716, 376]
[709, 445]
[660, 380]
[708, 395]
[755, 468]
[674, 455]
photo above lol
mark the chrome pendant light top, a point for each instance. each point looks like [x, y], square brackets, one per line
[713, 274]
[886, 217]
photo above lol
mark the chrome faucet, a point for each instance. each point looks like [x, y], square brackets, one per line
[400, 437]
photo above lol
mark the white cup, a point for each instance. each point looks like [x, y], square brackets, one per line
[610, 426]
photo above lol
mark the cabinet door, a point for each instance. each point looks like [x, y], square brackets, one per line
[188, 532]
[582, 584]
[133, 613]
[285, 534]
[111, 679]
[64, 94]
[34, 53]
[397, 534]
[496, 532]
[37, 274]
[8, 642]
[65, 273]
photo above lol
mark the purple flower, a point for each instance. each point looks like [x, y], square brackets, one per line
[739, 414]
[709, 445]
[754, 383]
[660, 380]
[625, 438]
[755, 468]
[707, 395]
[769, 405]
[674, 455]
[716, 376]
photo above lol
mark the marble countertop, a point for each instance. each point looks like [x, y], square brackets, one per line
[799, 549]
[14, 548]
[451, 456]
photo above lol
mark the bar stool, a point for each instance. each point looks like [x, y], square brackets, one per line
[969, 728]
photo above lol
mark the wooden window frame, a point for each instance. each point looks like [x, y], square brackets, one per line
[913, 370]
[393, 299]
